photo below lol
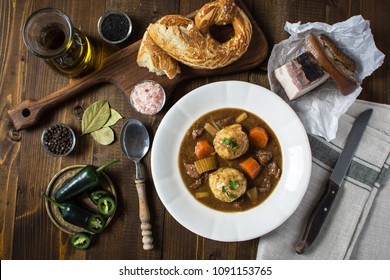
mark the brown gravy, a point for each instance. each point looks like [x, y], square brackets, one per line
[187, 155]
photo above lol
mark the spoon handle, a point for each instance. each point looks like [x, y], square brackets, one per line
[144, 215]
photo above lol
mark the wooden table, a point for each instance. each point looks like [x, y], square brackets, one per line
[26, 169]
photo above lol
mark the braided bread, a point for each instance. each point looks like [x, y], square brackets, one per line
[190, 42]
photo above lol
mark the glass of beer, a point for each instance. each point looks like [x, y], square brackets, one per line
[49, 34]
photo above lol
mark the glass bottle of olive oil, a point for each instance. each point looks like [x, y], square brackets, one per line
[48, 33]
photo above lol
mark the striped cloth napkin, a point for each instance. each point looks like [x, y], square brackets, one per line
[358, 225]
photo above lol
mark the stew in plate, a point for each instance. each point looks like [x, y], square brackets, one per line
[230, 160]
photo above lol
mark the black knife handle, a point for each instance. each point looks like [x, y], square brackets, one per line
[317, 217]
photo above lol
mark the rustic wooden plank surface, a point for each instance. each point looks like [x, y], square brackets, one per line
[26, 232]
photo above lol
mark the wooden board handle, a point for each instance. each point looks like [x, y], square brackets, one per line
[144, 215]
[28, 112]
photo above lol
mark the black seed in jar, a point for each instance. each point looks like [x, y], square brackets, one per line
[115, 27]
[58, 139]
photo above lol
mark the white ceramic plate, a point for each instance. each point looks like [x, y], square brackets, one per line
[237, 226]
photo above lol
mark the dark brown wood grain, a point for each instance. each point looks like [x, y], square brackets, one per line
[26, 231]
[121, 70]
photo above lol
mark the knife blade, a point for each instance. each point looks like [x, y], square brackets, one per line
[322, 208]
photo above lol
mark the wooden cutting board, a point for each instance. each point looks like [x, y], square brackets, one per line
[121, 69]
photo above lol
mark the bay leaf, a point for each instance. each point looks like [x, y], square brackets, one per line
[95, 116]
[115, 116]
[104, 136]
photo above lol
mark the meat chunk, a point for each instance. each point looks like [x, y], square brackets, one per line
[273, 170]
[197, 132]
[191, 170]
[196, 184]
[199, 181]
[225, 121]
[239, 202]
[263, 156]
[265, 185]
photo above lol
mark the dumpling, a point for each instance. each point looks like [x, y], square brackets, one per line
[231, 142]
[227, 184]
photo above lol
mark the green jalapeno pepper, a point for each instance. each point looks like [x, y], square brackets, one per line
[86, 179]
[81, 240]
[96, 195]
[79, 216]
[106, 205]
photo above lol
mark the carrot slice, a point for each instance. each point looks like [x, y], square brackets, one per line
[258, 137]
[203, 149]
[251, 167]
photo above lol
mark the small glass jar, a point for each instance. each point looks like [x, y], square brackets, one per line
[58, 140]
[114, 27]
[49, 34]
[147, 97]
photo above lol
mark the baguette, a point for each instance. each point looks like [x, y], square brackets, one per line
[337, 64]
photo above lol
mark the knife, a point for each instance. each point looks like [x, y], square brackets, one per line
[322, 208]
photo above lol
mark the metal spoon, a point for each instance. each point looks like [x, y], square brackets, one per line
[135, 144]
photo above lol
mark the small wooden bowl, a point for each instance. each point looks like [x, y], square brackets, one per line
[55, 183]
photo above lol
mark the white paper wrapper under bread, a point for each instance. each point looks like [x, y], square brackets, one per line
[320, 109]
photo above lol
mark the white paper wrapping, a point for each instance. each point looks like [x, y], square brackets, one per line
[320, 109]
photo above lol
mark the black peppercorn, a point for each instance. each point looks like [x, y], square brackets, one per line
[114, 27]
[58, 139]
